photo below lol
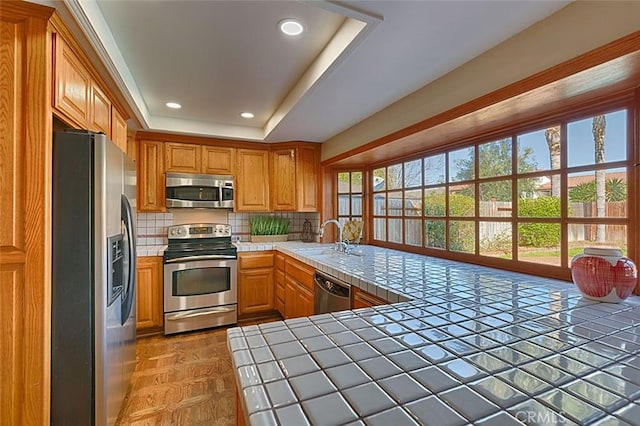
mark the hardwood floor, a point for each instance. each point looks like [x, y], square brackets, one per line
[185, 379]
[181, 380]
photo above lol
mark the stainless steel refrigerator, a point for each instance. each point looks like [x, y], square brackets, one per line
[93, 324]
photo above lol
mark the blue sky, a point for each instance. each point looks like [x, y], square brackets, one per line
[580, 148]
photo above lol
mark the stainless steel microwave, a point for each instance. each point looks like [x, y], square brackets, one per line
[185, 190]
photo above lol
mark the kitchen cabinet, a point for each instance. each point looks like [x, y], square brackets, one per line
[119, 131]
[307, 169]
[218, 160]
[298, 289]
[78, 98]
[364, 299]
[182, 157]
[252, 183]
[149, 309]
[283, 179]
[255, 283]
[99, 112]
[72, 86]
[200, 159]
[294, 179]
[150, 165]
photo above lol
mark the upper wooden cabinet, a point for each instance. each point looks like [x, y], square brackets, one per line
[307, 175]
[252, 186]
[99, 112]
[150, 164]
[283, 179]
[192, 158]
[79, 100]
[72, 84]
[119, 131]
[294, 179]
[218, 160]
[182, 157]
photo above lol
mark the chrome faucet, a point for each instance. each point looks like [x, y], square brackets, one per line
[340, 245]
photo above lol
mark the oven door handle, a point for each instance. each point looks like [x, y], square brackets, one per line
[193, 258]
[214, 311]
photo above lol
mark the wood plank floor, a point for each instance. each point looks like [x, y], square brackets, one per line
[185, 379]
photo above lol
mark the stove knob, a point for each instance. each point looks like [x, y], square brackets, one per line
[180, 231]
[172, 232]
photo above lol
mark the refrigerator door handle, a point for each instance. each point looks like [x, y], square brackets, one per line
[129, 284]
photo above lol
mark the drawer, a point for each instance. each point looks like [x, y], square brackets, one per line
[280, 261]
[255, 260]
[280, 290]
[300, 272]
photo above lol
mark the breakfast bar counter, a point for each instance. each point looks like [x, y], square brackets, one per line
[464, 345]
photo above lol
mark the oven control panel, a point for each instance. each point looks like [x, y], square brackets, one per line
[199, 230]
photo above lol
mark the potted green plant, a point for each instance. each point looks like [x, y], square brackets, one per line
[268, 229]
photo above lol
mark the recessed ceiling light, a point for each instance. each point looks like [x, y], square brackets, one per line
[246, 115]
[173, 105]
[290, 27]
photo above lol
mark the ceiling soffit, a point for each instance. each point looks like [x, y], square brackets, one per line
[355, 26]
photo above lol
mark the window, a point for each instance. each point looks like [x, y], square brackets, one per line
[536, 196]
[350, 201]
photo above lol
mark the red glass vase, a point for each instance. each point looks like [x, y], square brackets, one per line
[604, 274]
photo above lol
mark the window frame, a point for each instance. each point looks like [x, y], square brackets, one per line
[513, 131]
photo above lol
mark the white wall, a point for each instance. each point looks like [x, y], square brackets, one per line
[576, 29]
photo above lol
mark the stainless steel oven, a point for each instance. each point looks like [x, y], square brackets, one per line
[200, 278]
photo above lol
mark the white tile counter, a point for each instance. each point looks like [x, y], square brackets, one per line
[472, 345]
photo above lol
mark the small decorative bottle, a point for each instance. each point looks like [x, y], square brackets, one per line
[307, 234]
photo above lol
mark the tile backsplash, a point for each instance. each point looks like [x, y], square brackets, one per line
[240, 223]
[152, 227]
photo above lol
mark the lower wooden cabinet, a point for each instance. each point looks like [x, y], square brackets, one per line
[256, 290]
[298, 299]
[298, 289]
[363, 299]
[149, 310]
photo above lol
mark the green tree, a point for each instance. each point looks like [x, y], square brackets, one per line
[615, 190]
[495, 159]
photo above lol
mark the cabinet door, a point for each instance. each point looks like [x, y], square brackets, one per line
[119, 130]
[149, 313]
[308, 165]
[290, 298]
[304, 302]
[283, 180]
[182, 157]
[99, 112]
[151, 197]
[252, 188]
[255, 291]
[72, 85]
[218, 160]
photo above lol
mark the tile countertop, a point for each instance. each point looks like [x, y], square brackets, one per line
[466, 345]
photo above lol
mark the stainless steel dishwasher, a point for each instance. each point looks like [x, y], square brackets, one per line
[331, 294]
